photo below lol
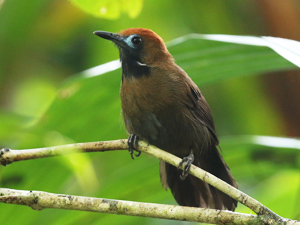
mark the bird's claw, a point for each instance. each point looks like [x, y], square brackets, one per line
[186, 162]
[132, 143]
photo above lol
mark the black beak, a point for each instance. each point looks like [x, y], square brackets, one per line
[116, 38]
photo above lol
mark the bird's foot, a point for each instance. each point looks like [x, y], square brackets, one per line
[132, 143]
[186, 162]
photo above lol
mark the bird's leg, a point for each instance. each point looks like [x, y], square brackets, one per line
[186, 162]
[132, 143]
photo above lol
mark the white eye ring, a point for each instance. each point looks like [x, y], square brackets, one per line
[133, 41]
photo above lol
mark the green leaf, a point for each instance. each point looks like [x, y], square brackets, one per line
[289, 49]
[87, 108]
[110, 9]
[211, 58]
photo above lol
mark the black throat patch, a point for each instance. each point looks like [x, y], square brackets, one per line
[131, 63]
[133, 68]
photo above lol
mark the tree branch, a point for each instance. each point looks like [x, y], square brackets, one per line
[39, 200]
[265, 215]
[8, 156]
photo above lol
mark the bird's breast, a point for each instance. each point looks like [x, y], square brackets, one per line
[153, 111]
[142, 103]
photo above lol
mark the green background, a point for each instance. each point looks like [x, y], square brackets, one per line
[47, 101]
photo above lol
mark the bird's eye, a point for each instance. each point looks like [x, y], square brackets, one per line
[136, 40]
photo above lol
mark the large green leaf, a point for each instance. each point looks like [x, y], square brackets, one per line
[88, 101]
[209, 58]
[87, 108]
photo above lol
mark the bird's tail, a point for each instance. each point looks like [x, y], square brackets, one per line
[194, 192]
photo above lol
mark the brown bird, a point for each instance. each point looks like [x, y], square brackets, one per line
[163, 106]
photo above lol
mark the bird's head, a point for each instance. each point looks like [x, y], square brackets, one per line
[140, 45]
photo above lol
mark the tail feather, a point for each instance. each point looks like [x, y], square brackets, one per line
[194, 192]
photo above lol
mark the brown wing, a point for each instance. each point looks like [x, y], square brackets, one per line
[199, 108]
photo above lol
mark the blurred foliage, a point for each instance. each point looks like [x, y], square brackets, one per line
[110, 9]
[44, 45]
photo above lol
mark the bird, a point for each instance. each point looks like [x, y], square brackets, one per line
[164, 107]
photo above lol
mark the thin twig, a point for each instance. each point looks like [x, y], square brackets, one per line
[8, 156]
